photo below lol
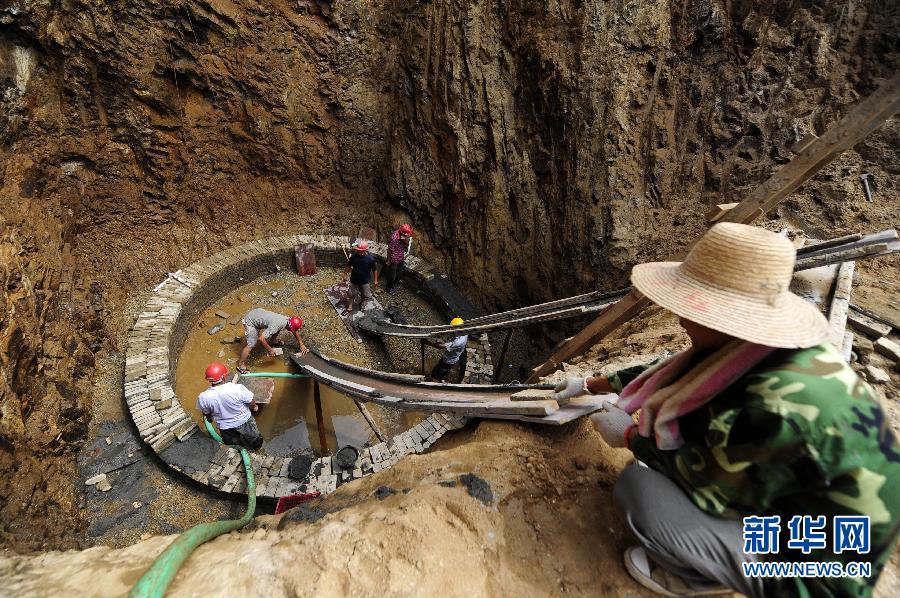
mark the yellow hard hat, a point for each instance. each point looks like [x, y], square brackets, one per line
[457, 322]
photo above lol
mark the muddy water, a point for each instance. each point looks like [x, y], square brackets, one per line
[288, 422]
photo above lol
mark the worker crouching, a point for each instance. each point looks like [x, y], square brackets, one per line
[760, 419]
[452, 352]
[263, 326]
[231, 407]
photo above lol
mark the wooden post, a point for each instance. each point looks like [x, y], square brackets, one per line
[840, 304]
[320, 419]
[867, 116]
[371, 422]
[499, 366]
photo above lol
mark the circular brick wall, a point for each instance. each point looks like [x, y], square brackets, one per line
[160, 331]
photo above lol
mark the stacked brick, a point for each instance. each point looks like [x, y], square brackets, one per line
[479, 367]
[160, 330]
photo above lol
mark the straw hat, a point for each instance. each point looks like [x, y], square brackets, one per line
[735, 280]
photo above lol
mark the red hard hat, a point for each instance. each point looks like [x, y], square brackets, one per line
[362, 246]
[216, 371]
[295, 323]
[406, 229]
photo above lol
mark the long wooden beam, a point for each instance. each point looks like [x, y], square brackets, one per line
[320, 419]
[867, 116]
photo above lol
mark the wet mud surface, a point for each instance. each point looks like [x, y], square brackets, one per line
[288, 421]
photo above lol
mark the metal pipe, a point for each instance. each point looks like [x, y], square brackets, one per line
[864, 177]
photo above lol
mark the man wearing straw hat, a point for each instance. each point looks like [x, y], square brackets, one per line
[758, 418]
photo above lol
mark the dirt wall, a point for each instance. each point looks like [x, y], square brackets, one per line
[603, 131]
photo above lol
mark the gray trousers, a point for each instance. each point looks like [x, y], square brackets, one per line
[703, 550]
[246, 435]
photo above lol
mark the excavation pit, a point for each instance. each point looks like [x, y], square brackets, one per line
[288, 421]
[180, 332]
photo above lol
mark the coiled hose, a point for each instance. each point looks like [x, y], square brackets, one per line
[154, 582]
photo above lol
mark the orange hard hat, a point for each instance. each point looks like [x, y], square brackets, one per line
[362, 246]
[295, 323]
[216, 372]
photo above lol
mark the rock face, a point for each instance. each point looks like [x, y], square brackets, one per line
[519, 137]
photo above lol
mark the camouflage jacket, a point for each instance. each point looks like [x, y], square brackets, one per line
[800, 434]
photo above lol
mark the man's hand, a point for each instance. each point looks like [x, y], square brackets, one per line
[254, 407]
[568, 389]
[271, 352]
[612, 423]
[303, 350]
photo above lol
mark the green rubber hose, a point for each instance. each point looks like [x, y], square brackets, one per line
[154, 582]
[273, 375]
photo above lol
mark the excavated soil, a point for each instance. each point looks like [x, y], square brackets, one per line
[538, 149]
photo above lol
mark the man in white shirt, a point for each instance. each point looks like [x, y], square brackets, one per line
[452, 351]
[231, 407]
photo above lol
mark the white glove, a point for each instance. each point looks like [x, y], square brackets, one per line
[612, 423]
[568, 390]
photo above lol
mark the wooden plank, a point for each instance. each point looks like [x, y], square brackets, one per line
[888, 236]
[305, 256]
[262, 389]
[718, 211]
[338, 296]
[847, 346]
[498, 367]
[840, 304]
[888, 348]
[438, 398]
[540, 408]
[368, 417]
[577, 408]
[850, 130]
[320, 419]
[846, 255]
[715, 214]
[880, 317]
[804, 143]
[531, 394]
[610, 319]
[829, 243]
[867, 325]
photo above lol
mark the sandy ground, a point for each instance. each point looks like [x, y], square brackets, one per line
[546, 526]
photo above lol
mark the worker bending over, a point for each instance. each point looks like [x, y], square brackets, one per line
[361, 268]
[759, 417]
[263, 326]
[452, 351]
[398, 247]
[231, 407]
